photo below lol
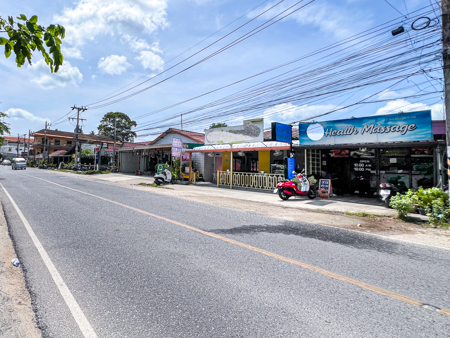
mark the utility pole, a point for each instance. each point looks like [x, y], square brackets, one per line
[45, 141]
[28, 146]
[445, 8]
[114, 145]
[77, 129]
[25, 143]
[181, 121]
[18, 143]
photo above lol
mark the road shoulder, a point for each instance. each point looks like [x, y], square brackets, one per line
[17, 318]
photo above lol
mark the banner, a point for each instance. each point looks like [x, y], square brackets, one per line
[177, 147]
[251, 131]
[414, 126]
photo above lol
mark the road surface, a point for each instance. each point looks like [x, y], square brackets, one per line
[109, 261]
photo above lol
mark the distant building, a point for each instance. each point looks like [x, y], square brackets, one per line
[60, 145]
[15, 147]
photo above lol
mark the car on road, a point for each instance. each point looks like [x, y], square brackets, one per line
[19, 163]
[6, 162]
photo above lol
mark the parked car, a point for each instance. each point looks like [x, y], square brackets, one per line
[6, 162]
[19, 163]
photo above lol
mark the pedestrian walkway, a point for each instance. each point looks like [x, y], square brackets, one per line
[340, 204]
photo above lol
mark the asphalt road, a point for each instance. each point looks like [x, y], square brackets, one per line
[176, 275]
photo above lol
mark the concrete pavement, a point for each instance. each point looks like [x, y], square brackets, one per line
[341, 204]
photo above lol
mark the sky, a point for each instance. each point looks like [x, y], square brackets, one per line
[112, 46]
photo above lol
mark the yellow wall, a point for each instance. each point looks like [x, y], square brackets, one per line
[226, 160]
[264, 161]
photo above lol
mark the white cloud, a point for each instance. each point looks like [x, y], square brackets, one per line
[150, 60]
[341, 23]
[65, 75]
[401, 105]
[21, 114]
[113, 64]
[288, 112]
[90, 18]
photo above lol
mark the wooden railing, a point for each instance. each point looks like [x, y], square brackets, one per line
[248, 180]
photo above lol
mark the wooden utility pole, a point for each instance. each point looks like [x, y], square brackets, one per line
[77, 129]
[445, 8]
[28, 146]
[18, 144]
[45, 142]
[114, 145]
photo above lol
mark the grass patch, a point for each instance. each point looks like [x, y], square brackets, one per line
[362, 214]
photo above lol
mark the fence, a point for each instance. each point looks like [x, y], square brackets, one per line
[249, 180]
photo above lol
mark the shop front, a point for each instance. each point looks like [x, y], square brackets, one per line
[258, 165]
[360, 153]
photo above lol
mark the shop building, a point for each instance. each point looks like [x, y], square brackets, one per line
[239, 156]
[360, 153]
[144, 157]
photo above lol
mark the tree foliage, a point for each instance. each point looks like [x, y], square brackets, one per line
[86, 152]
[218, 125]
[25, 36]
[123, 127]
[4, 127]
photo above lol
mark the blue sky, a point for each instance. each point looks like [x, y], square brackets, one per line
[109, 45]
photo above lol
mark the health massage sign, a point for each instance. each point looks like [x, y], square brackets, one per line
[414, 126]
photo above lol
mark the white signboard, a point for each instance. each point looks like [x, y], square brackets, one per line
[250, 131]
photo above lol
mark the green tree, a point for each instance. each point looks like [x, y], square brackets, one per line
[218, 125]
[86, 152]
[4, 127]
[123, 127]
[25, 36]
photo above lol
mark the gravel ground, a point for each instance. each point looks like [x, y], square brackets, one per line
[17, 318]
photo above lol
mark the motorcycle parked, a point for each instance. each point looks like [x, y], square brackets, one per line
[387, 190]
[164, 177]
[287, 189]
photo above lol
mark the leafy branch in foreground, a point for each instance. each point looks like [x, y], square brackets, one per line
[27, 36]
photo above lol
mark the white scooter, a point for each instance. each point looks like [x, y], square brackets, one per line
[165, 177]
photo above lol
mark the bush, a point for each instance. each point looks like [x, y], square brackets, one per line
[403, 204]
[426, 197]
[175, 170]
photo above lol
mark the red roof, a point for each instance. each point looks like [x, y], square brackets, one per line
[192, 135]
[57, 153]
[14, 139]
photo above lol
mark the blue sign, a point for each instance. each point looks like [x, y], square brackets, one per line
[281, 132]
[96, 156]
[290, 168]
[415, 126]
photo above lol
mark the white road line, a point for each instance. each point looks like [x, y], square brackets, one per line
[74, 308]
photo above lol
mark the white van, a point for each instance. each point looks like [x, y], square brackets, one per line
[19, 163]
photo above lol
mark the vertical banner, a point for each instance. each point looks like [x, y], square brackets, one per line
[177, 147]
[290, 168]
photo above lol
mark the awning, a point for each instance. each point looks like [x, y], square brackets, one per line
[254, 146]
[408, 144]
[58, 153]
[149, 147]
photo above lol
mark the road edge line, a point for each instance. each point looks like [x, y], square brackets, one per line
[70, 300]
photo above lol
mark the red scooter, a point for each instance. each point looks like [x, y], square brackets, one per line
[287, 189]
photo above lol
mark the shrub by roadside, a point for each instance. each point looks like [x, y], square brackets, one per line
[434, 201]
